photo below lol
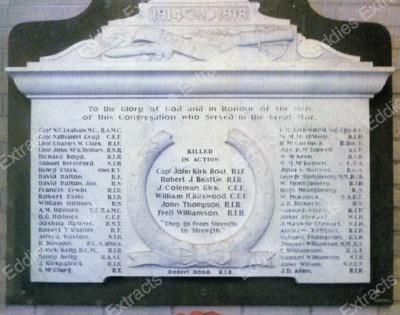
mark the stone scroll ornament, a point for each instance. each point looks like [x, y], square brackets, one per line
[234, 251]
[193, 31]
[151, 43]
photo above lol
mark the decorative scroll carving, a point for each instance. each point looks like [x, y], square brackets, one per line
[313, 49]
[231, 31]
[153, 43]
[310, 49]
[156, 43]
[87, 49]
[235, 251]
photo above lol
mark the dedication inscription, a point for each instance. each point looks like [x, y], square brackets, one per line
[202, 194]
[200, 140]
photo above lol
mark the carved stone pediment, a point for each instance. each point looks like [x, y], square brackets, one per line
[170, 42]
[187, 31]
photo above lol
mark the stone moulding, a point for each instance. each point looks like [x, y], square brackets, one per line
[288, 80]
[170, 49]
[194, 49]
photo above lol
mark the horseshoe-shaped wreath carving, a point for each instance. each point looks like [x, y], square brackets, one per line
[234, 251]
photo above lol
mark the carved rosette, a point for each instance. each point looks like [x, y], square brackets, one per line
[169, 251]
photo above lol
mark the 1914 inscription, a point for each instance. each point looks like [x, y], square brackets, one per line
[200, 13]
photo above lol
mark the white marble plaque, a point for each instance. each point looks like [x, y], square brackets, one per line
[200, 140]
[232, 187]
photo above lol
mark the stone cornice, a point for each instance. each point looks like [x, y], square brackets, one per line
[274, 80]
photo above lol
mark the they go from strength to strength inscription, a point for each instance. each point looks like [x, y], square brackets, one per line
[200, 140]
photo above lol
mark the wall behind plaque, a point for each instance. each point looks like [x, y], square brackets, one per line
[386, 12]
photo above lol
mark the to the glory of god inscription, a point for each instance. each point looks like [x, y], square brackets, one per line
[200, 140]
[196, 196]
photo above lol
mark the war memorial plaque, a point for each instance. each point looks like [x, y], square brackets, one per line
[200, 140]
